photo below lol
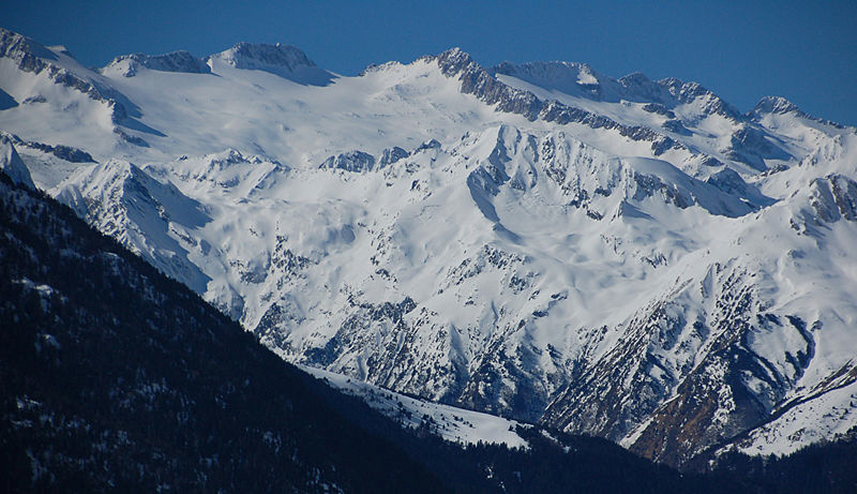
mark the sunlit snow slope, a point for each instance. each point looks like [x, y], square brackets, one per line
[628, 258]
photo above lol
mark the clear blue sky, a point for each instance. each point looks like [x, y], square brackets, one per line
[803, 50]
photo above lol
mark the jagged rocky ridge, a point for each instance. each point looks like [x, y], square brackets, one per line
[12, 165]
[29, 56]
[283, 60]
[65, 153]
[179, 61]
[116, 377]
[591, 256]
[478, 81]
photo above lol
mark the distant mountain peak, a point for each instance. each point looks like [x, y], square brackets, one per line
[11, 163]
[635, 77]
[711, 103]
[555, 68]
[256, 55]
[19, 47]
[775, 104]
[284, 60]
[778, 105]
[456, 57]
[574, 78]
[456, 51]
[566, 246]
[177, 61]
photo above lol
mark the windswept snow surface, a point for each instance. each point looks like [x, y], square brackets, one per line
[627, 258]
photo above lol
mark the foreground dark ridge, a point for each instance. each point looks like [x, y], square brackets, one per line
[115, 377]
[594, 395]
[590, 281]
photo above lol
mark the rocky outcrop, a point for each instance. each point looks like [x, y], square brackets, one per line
[283, 60]
[479, 82]
[67, 153]
[777, 105]
[32, 57]
[834, 197]
[11, 164]
[178, 61]
[693, 92]
[352, 161]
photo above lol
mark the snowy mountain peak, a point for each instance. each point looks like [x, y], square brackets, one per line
[12, 164]
[19, 47]
[456, 60]
[775, 104]
[569, 77]
[778, 105]
[252, 55]
[635, 78]
[284, 60]
[694, 92]
[177, 61]
[456, 52]
[582, 82]
[536, 240]
[111, 176]
[57, 67]
[352, 161]
[229, 172]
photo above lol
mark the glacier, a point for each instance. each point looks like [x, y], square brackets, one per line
[627, 258]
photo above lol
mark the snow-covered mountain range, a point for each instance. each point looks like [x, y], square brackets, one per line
[628, 258]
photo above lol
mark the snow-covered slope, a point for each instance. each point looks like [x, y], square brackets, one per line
[12, 165]
[451, 423]
[629, 258]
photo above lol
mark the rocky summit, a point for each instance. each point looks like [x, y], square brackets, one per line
[620, 257]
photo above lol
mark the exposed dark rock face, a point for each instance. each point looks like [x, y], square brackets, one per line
[178, 61]
[777, 105]
[392, 155]
[479, 82]
[117, 378]
[606, 263]
[693, 405]
[659, 109]
[693, 92]
[249, 55]
[751, 146]
[834, 197]
[283, 60]
[352, 161]
[35, 58]
[67, 153]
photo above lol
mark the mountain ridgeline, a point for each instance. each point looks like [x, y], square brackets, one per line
[625, 258]
[115, 377]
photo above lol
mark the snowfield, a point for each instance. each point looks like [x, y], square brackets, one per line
[627, 258]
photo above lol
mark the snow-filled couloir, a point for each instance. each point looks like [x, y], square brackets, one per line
[628, 258]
